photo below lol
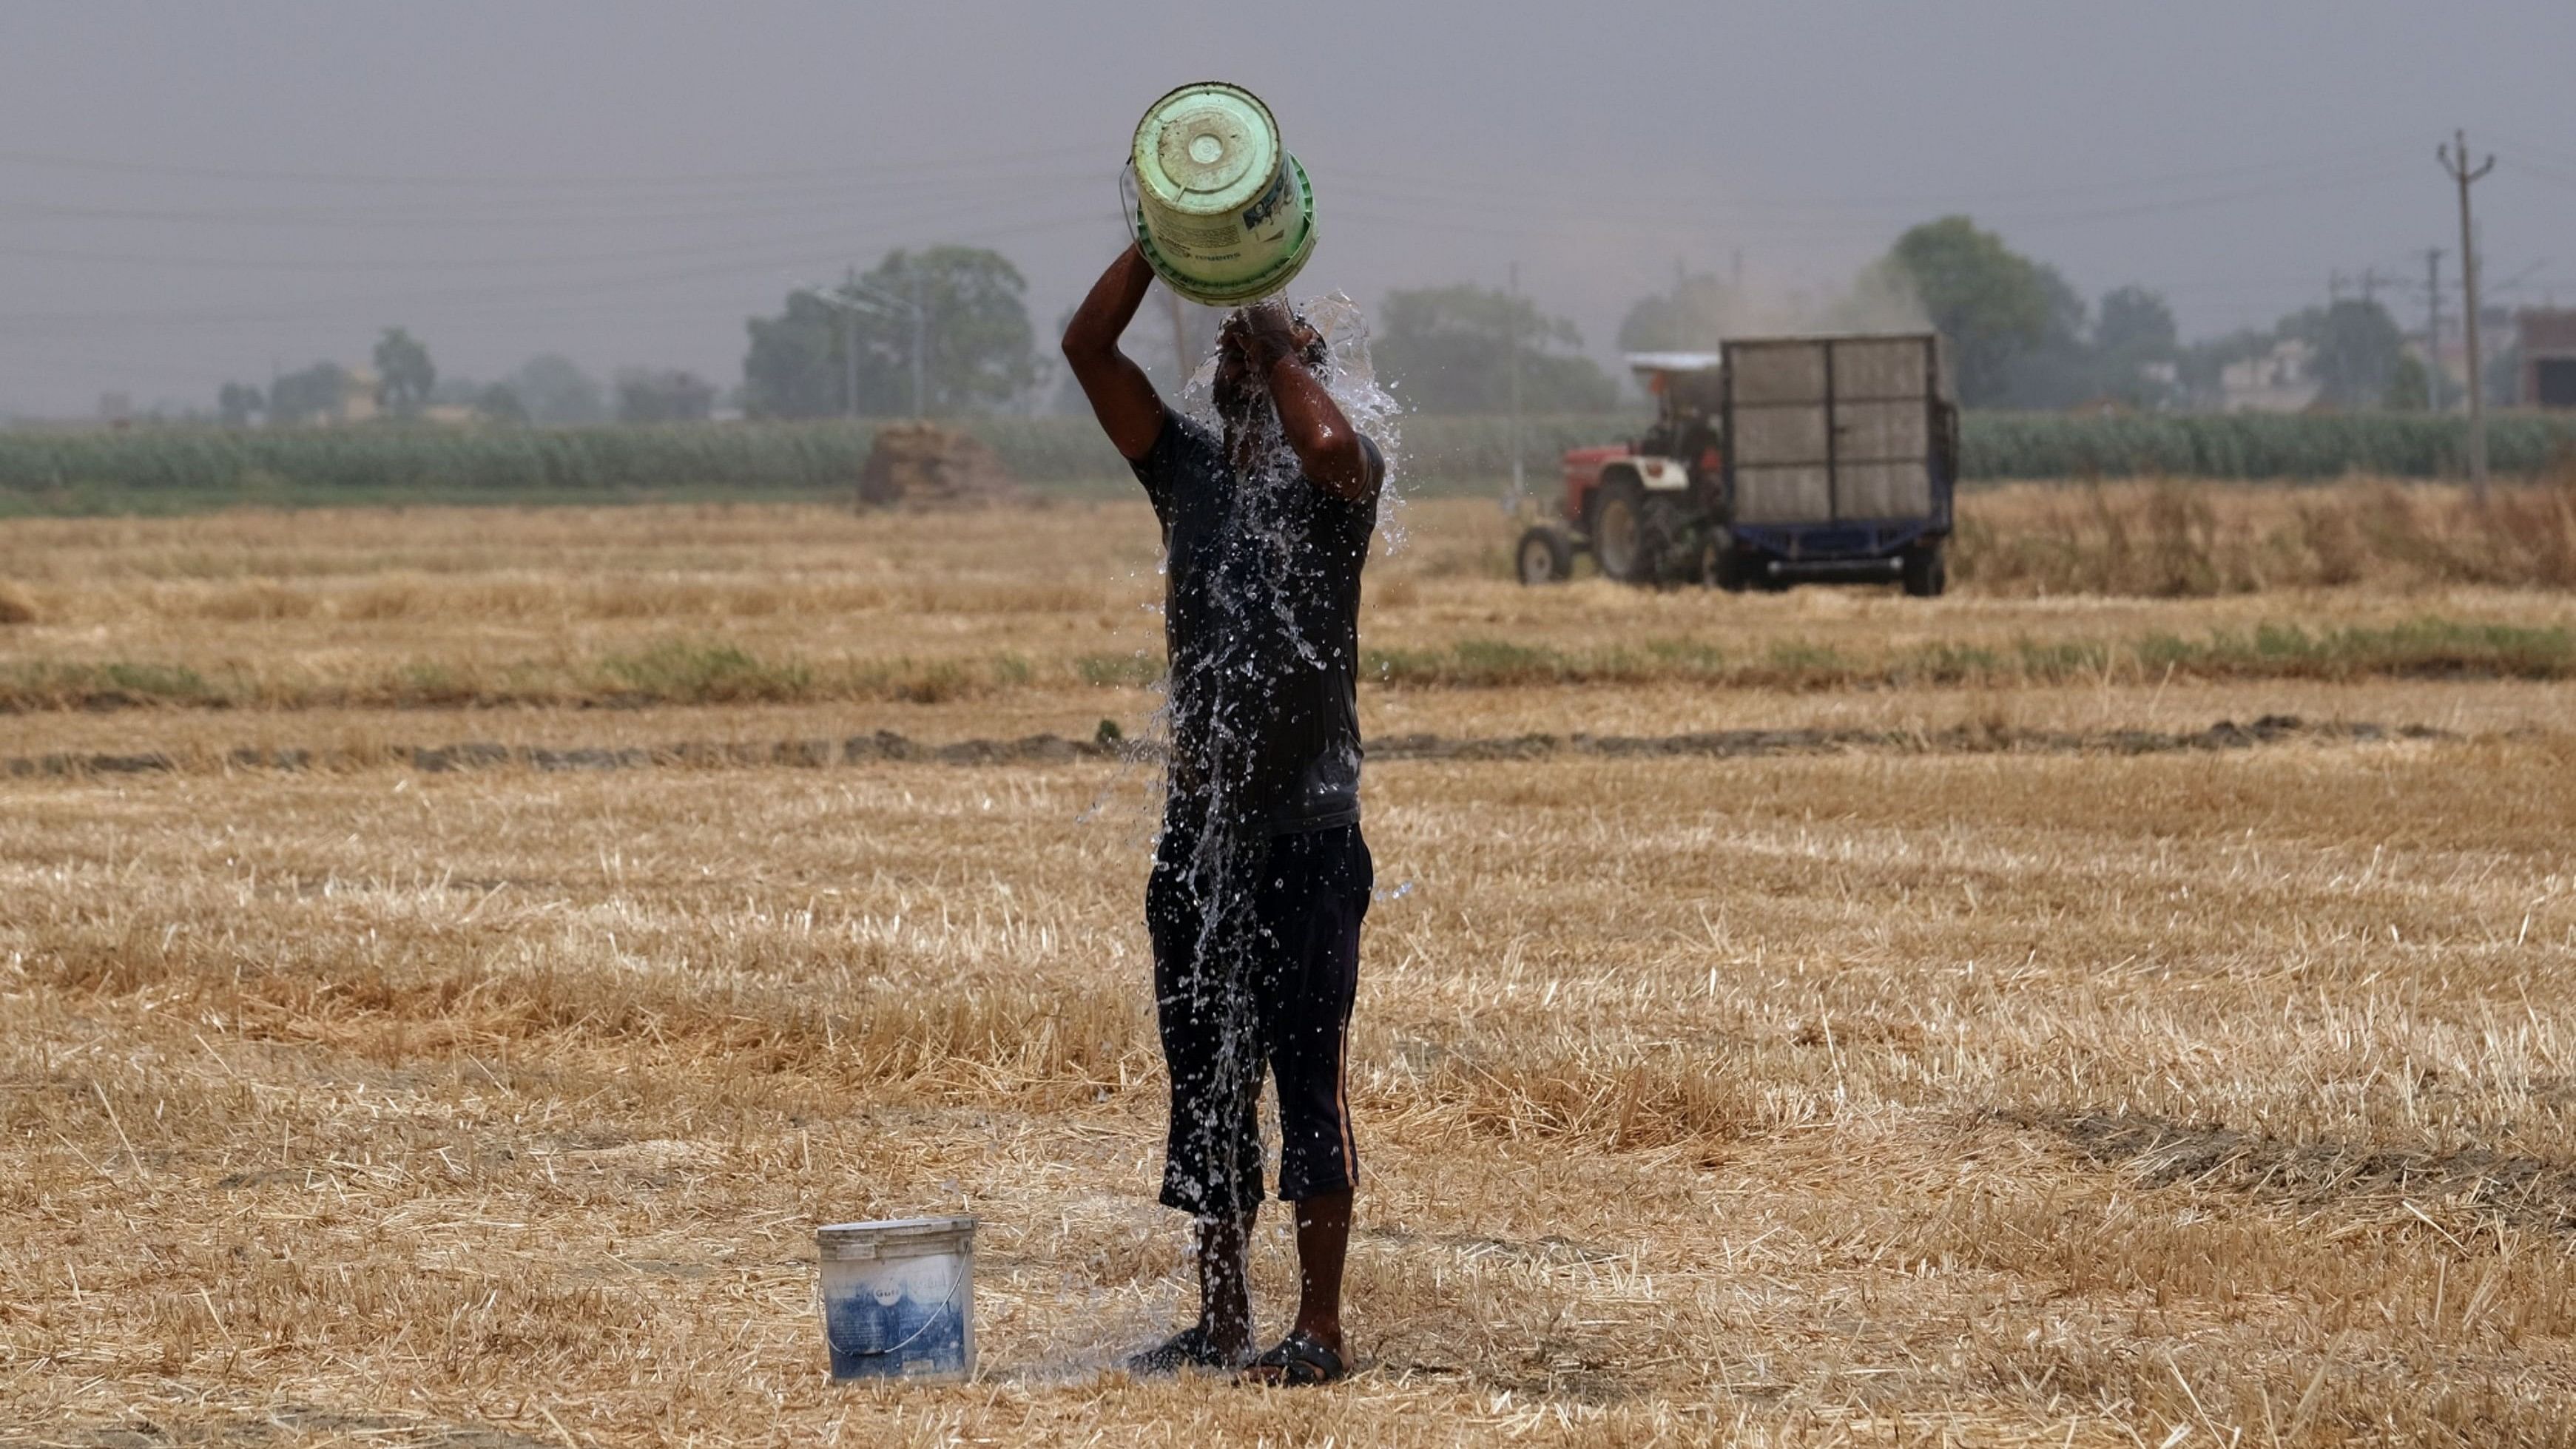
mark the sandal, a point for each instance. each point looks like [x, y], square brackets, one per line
[1298, 1362]
[1192, 1347]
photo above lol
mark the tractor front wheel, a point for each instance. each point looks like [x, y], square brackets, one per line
[1545, 556]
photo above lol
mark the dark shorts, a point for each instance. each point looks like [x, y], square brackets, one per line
[1256, 962]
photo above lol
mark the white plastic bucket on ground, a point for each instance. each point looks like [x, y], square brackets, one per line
[899, 1298]
[1222, 212]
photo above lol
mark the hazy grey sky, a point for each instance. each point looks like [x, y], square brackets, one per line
[189, 193]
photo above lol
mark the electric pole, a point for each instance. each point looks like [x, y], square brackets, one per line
[920, 338]
[850, 349]
[2455, 162]
[2433, 329]
[1519, 491]
[853, 297]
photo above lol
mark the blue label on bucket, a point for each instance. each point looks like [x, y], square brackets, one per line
[885, 1332]
[1266, 204]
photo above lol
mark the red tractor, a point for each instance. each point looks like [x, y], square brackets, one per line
[1771, 462]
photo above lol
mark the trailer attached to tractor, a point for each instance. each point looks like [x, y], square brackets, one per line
[1772, 461]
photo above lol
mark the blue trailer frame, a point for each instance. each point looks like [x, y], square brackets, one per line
[1847, 548]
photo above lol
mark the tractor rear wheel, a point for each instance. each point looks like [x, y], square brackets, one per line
[1545, 556]
[1671, 550]
[1731, 568]
[1619, 541]
[1927, 570]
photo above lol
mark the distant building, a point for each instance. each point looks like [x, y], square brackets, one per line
[357, 397]
[2282, 380]
[321, 396]
[2548, 341]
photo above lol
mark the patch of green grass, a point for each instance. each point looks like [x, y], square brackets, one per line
[1797, 657]
[160, 681]
[2419, 647]
[684, 672]
[1501, 661]
[1689, 656]
[1470, 663]
[1952, 663]
[431, 684]
[2057, 660]
[1119, 671]
[49, 684]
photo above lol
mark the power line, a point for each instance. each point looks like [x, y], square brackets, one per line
[1721, 216]
[1472, 194]
[504, 181]
[511, 295]
[428, 216]
[914, 218]
[2554, 178]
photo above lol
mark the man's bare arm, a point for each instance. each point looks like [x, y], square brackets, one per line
[1328, 448]
[1121, 396]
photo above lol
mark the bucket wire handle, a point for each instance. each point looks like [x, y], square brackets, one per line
[955, 1281]
[1131, 212]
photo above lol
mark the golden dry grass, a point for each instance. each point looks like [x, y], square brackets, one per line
[717, 604]
[1876, 1095]
[2178, 538]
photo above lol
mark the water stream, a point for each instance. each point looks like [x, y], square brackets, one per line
[1207, 725]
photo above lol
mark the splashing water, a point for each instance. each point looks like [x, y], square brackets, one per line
[1220, 701]
[1350, 375]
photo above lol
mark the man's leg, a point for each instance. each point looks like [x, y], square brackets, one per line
[1323, 1243]
[1316, 897]
[1225, 1288]
[1212, 1052]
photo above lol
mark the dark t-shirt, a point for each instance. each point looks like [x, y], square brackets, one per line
[1261, 622]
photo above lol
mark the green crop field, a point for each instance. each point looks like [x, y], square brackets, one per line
[150, 470]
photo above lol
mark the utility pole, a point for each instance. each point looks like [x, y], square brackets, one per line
[853, 297]
[1519, 488]
[2455, 162]
[920, 337]
[850, 349]
[2370, 285]
[2433, 329]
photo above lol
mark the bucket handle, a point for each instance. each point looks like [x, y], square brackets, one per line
[1131, 211]
[954, 1283]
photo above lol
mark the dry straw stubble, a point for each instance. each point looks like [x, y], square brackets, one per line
[1862, 1094]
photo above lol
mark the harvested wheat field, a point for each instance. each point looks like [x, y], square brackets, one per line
[452, 960]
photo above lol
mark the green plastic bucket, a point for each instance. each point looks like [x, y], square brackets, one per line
[1223, 213]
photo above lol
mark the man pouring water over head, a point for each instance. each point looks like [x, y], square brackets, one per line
[1260, 877]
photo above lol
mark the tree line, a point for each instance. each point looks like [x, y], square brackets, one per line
[945, 331]
[407, 386]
